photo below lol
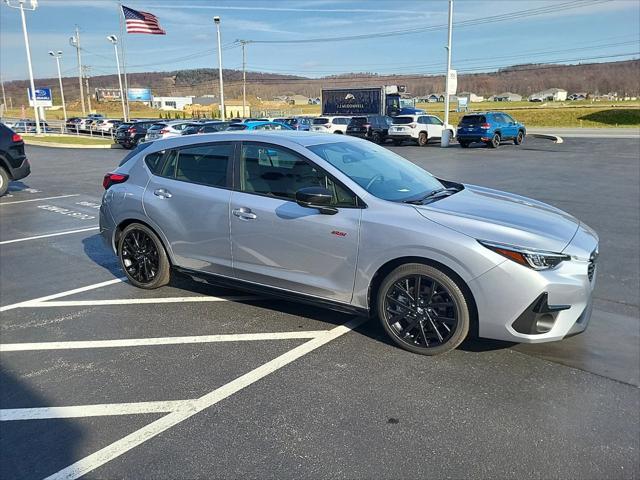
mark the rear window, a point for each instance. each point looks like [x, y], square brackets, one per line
[473, 120]
[237, 126]
[157, 126]
[320, 121]
[134, 152]
[359, 120]
[403, 120]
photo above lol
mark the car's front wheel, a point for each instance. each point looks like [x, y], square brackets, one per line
[143, 257]
[519, 138]
[423, 309]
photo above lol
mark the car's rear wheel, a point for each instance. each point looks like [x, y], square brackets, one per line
[422, 309]
[495, 141]
[376, 137]
[423, 139]
[397, 143]
[464, 144]
[519, 138]
[4, 181]
[143, 257]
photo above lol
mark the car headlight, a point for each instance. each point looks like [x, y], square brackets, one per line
[529, 257]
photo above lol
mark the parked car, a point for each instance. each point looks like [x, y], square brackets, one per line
[259, 125]
[29, 126]
[130, 134]
[330, 124]
[348, 224]
[108, 125]
[208, 127]
[14, 164]
[297, 123]
[371, 127]
[490, 128]
[73, 124]
[246, 120]
[417, 128]
[165, 130]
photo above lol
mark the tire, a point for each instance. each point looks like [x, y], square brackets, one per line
[338, 132]
[464, 144]
[397, 143]
[435, 328]
[4, 181]
[376, 138]
[423, 139]
[519, 138]
[136, 247]
[495, 141]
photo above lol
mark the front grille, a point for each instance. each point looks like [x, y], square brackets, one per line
[593, 258]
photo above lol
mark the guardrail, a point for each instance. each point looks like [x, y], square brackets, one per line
[59, 127]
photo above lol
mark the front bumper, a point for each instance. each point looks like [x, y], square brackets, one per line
[509, 297]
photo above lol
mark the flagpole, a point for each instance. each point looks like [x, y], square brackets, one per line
[124, 62]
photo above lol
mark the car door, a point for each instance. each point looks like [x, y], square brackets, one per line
[435, 126]
[277, 242]
[188, 198]
[502, 125]
[510, 125]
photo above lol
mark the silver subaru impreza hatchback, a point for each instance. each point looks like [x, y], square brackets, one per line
[344, 223]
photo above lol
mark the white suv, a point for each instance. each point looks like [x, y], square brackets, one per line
[418, 128]
[166, 129]
[330, 124]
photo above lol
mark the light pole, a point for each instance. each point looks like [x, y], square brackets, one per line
[74, 41]
[20, 6]
[114, 40]
[216, 20]
[445, 136]
[57, 56]
[244, 78]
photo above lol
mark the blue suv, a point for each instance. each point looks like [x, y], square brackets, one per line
[490, 128]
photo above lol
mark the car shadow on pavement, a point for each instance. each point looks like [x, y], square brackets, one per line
[33, 448]
[96, 250]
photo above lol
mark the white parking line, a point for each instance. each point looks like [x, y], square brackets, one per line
[28, 303]
[145, 342]
[191, 407]
[47, 235]
[77, 411]
[38, 199]
[138, 301]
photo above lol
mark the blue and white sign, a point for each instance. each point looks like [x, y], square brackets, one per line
[44, 98]
[139, 94]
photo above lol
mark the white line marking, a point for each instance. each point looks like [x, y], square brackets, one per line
[28, 303]
[145, 342]
[137, 301]
[39, 199]
[68, 232]
[78, 411]
[191, 407]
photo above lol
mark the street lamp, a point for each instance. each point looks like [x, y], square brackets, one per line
[57, 56]
[114, 40]
[216, 20]
[33, 5]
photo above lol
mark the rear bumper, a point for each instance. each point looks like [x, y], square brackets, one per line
[21, 171]
[474, 137]
[358, 134]
[401, 136]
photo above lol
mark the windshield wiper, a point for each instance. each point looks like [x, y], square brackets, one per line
[434, 195]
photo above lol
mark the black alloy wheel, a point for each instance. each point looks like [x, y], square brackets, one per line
[423, 310]
[143, 258]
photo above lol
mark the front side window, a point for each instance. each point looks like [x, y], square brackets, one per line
[377, 170]
[277, 172]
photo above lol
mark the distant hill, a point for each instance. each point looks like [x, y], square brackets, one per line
[622, 77]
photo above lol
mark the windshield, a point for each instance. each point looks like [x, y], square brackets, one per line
[403, 120]
[379, 171]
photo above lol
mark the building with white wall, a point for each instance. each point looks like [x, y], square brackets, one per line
[171, 103]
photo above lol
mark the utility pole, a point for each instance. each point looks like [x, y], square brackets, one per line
[4, 97]
[243, 43]
[216, 20]
[85, 71]
[74, 41]
[445, 141]
[57, 56]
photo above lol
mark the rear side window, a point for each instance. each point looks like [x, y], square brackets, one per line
[204, 164]
[154, 161]
[473, 120]
[134, 152]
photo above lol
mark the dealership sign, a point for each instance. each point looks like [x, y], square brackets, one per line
[43, 97]
[139, 94]
[452, 84]
[108, 94]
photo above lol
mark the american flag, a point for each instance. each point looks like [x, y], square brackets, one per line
[141, 22]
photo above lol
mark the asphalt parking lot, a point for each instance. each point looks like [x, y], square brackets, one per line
[194, 381]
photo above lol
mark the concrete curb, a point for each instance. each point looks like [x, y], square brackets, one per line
[28, 141]
[547, 136]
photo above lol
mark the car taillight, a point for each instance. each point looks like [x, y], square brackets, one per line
[366, 125]
[164, 130]
[113, 178]
[16, 138]
[131, 130]
[485, 126]
[327, 125]
[413, 125]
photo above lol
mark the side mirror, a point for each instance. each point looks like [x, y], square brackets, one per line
[316, 197]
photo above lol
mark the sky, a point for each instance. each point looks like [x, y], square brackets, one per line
[487, 35]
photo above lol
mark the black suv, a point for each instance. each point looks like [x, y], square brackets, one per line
[130, 134]
[371, 127]
[13, 161]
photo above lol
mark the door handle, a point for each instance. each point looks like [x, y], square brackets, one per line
[244, 213]
[162, 193]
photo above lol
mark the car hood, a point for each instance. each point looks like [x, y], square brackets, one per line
[502, 217]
